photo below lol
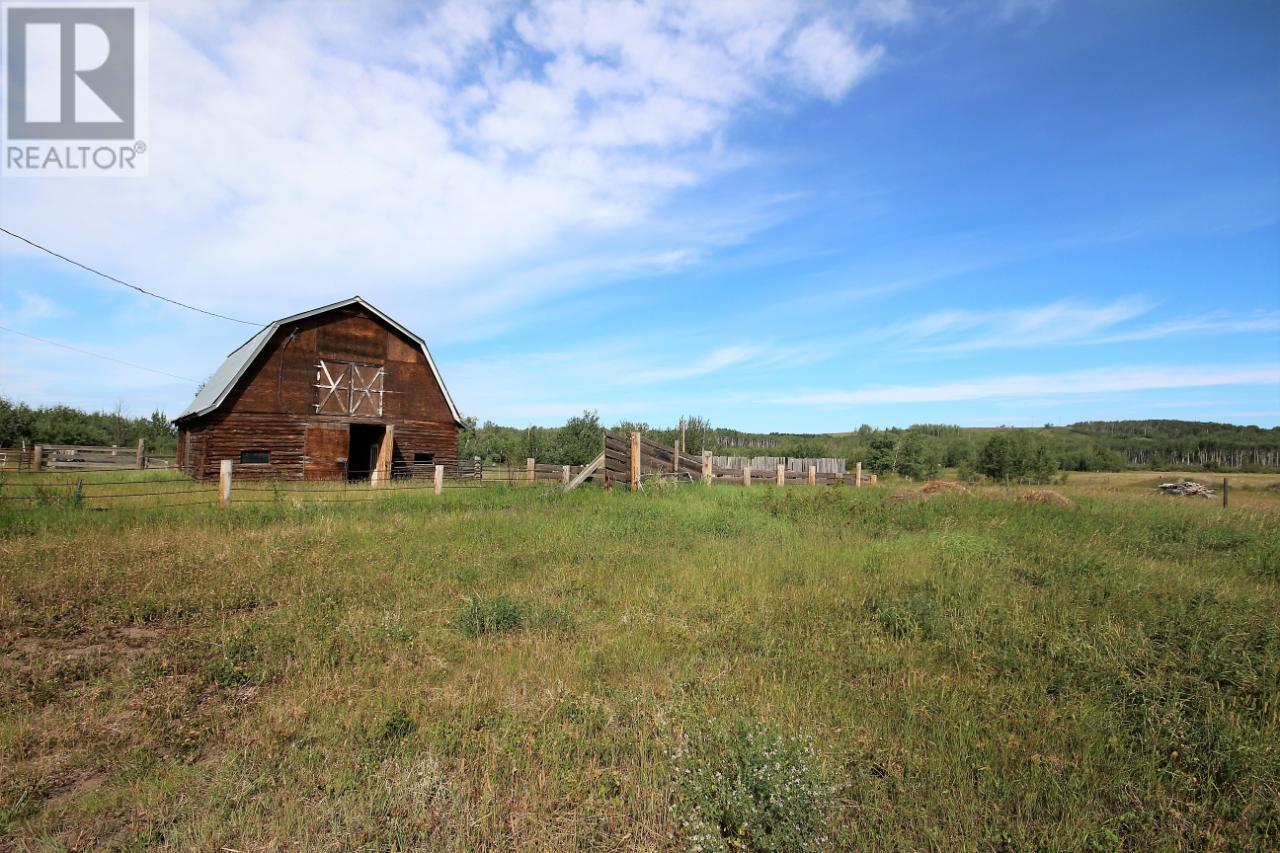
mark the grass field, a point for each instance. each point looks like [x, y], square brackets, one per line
[516, 668]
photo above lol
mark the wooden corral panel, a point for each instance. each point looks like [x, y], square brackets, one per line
[661, 459]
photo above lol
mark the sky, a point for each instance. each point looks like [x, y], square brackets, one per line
[778, 216]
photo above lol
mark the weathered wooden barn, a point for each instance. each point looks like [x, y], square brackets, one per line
[339, 391]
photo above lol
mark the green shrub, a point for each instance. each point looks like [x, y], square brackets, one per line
[501, 614]
[744, 787]
[490, 616]
[398, 726]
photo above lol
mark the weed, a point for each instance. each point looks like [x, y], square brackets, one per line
[742, 786]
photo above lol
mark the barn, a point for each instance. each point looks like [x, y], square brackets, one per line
[341, 391]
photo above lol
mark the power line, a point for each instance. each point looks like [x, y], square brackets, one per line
[47, 250]
[97, 355]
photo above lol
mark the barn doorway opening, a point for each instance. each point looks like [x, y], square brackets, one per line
[362, 453]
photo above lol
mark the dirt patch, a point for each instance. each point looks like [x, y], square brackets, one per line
[934, 487]
[130, 642]
[1046, 496]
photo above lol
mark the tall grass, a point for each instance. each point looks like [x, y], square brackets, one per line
[516, 668]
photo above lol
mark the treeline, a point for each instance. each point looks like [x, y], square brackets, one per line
[20, 423]
[921, 450]
[918, 451]
[1187, 444]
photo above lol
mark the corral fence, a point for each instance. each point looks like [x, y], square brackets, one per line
[633, 459]
[49, 457]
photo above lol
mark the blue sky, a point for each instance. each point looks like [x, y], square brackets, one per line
[780, 217]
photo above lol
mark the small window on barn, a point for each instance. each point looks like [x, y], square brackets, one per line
[424, 458]
[255, 457]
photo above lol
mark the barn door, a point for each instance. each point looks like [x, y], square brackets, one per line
[326, 452]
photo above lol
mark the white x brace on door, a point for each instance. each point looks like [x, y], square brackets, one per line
[347, 388]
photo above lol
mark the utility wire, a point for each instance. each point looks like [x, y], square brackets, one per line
[47, 250]
[97, 355]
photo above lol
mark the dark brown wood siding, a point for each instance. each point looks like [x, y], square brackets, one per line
[273, 406]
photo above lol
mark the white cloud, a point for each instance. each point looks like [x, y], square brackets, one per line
[827, 60]
[303, 152]
[1046, 385]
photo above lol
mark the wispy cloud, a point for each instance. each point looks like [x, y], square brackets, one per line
[1059, 323]
[1049, 385]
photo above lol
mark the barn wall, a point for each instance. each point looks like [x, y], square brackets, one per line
[224, 435]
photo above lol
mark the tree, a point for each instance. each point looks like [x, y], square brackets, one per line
[998, 458]
[1017, 458]
[579, 441]
[882, 455]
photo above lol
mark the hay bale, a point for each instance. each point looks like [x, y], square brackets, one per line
[1046, 496]
[934, 487]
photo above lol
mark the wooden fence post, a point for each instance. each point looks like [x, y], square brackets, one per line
[857, 475]
[439, 484]
[782, 474]
[874, 479]
[142, 451]
[564, 475]
[706, 467]
[813, 475]
[528, 468]
[37, 457]
[79, 492]
[746, 475]
[224, 483]
[1225, 488]
[684, 445]
[635, 460]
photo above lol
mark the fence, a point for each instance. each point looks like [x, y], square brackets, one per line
[631, 460]
[823, 465]
[634, 458]
[41, 457]
[106, 487]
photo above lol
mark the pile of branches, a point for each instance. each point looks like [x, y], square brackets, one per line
[1186, 489]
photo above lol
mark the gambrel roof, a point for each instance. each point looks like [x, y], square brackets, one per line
[219, 386]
